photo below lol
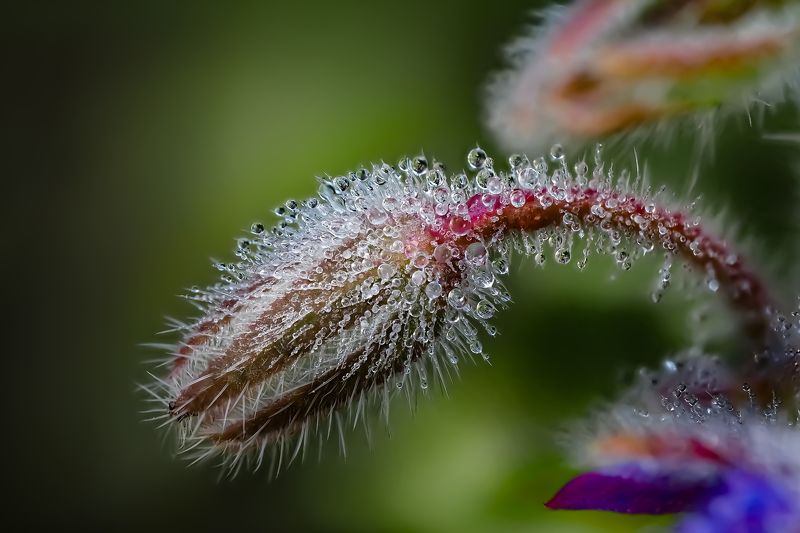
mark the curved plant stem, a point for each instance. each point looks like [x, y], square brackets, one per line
[610, 209]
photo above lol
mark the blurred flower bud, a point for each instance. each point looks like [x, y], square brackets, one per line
[600, 68]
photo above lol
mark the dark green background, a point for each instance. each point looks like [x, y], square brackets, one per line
[142, 137]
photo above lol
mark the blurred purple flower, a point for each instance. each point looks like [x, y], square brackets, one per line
[716, 441]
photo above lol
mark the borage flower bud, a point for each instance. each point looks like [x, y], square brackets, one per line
[388, 276]
[701, 437]
[602, 67]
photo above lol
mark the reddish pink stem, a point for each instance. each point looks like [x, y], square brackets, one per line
[546, 206]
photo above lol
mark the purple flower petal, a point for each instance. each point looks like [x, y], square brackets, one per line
[746, 503]
[630, 491]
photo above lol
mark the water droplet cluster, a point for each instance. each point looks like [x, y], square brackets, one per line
[388, 275]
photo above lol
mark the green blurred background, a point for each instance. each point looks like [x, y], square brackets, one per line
[143, 137]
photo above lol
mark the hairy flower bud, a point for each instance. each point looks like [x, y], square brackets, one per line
[603, 67]
[388, 276]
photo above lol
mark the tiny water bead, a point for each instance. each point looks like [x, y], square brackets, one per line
[484, 309]
[459, 226]
[419, 165]
[442, 253]
[433, 290]
[476, 159]
[517, 161]
[390, 273]
[494, 184]
[457, 298]
[557, 152]
[476, 253]
[482, 178]
[386, 271]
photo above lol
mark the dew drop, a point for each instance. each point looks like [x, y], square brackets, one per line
[475, 254]
[517, 198]
[386, 271]
[713, 284]
[476, 158]
[421, 260]
[459, 226]
[457, 298]
[341, 184]
[441, 194]
[563, 256]
[434, 178]
[494, 185]
[484, 309]
[516, 161]
[397, 246]
[442, 253]
[419, 165]
[656, 295]
[484, 280]
[500, 266]
[598, 154]
[377, 217]
[433, 290]
[460, 181]
[528, 178]
[482, 178]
